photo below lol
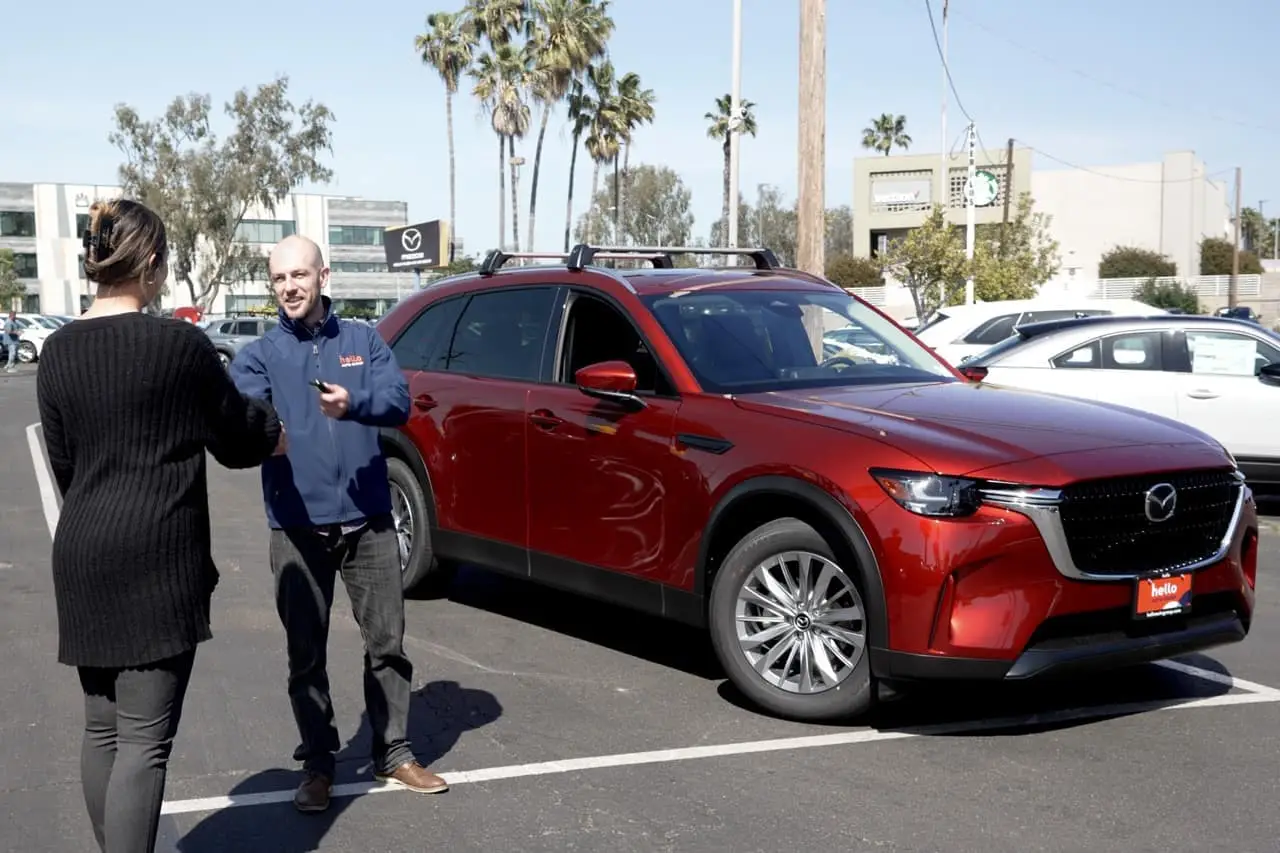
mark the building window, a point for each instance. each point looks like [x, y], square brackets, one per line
[82, 225]
[24, 264]
[265, 230]
[80, 264]
[246, 304]
[17, 223]
[354, 235]
[357, 266]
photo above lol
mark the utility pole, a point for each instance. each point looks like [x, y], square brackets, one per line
[970, 215]
[1008, 191]
[1259, 243]
[735, 126]
[810, 204]
[1235, 253]
[944, 194]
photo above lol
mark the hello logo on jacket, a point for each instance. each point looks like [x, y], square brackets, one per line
[334, 471]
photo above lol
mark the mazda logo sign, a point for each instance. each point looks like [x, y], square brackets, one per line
[411, 239]
[1160, 502]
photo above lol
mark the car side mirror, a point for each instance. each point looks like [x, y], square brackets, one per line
[614, 381]
[1269, 374]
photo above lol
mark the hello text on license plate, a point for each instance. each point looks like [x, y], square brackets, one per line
[1169, 595]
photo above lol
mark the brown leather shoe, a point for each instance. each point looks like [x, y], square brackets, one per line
[314, 792]
[415, 777]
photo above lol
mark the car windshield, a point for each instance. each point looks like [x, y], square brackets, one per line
[751, 341]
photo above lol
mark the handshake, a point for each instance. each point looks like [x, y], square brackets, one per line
[334, 402]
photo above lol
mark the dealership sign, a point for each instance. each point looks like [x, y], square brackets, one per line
[901, 192]
[421, 246]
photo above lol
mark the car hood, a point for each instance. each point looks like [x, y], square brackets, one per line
[968, 429]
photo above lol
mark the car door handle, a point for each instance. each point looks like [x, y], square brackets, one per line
[1202, 394]
[424, 402]
[545, 419]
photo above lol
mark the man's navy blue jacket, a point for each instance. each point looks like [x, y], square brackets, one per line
[334, 471]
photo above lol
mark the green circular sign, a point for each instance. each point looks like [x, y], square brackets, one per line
[985, 188]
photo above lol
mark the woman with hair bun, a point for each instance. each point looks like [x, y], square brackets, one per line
[129, 404]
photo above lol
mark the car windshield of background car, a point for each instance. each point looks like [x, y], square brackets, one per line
[752, 341]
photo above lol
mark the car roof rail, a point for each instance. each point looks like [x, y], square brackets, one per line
[497, 258]
[583, 254]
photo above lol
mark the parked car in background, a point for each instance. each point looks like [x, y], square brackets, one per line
[232, 334]
[1239, 312]
[1206, 372]
[676, 441]
[33, 329]
[956, 332]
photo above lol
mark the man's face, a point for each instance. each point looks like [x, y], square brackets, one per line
[297, 276]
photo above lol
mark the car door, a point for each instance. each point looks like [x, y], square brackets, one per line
[1221, 395]
[467, 397]
[1125, 368]
[604, 483]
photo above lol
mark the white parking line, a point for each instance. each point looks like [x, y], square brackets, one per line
[667, 756]
[1254, 694]
[44, 482]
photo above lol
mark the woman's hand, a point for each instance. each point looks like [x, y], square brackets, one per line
[282, 444]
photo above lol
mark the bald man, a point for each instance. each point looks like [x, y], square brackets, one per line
[335, 383]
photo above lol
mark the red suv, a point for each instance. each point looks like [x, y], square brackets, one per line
[696, 443]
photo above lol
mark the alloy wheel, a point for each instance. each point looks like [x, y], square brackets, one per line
[402, 518]
[801, 623]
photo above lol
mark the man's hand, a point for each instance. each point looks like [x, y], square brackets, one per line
[282, 443]
[335, 401]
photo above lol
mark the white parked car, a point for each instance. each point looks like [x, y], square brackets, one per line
[1206, 372]
[32, 331]
[956, 332]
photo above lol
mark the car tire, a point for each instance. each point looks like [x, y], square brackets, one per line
[26, 352]
[852, 693]
[420, 570]
[225, 358]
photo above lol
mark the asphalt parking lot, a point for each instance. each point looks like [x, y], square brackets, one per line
[565, 725]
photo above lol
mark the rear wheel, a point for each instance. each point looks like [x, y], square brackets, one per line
[224, 358]
[420, 570]
[789, 625]
[26, 352]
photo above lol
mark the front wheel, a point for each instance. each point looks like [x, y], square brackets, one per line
[789, 625]
[26, 352]
[420, 569]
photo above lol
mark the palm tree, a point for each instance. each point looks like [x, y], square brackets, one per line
[886, 133]
[635, 107]
[495, 20]
[580, 117]
[604, 134]
[498, 75]
[719, 129]
[565, 37]
[448, 46]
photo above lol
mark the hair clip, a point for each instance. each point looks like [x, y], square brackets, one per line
[100, 242]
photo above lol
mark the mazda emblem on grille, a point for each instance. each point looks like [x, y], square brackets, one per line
[1161, 500]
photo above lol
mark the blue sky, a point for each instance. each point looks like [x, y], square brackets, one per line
[1087, 81]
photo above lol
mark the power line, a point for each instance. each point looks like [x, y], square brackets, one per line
[937, 43]
[1182, 108]
[1128, 178]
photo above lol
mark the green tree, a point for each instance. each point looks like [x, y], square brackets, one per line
[849, 271]
[930, 263]
[11, 288]
[1012, 261]
[721, 122]
[203, 187]
[886, 133]
[658, 214]
[1133, 262]
[448, 47]
[1169, 295]
[771, 223]
[839, 231]
[1215, 258]
[565, 37]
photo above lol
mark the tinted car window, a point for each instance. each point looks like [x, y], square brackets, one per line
[428, 334]
[598, 332]
[1228, 353]
[745, 341]
[246, 327]
[501, 334]
[993, 331]
[1127, 351]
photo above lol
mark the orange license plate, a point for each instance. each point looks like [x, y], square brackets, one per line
[1168, 595]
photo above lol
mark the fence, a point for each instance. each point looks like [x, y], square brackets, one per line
[1204, 286]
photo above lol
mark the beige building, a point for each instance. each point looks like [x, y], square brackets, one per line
[43, 225]
[1167, 206]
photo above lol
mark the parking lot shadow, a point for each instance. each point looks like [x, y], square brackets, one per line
[1030, 707]
[441, 712]
[651, 638]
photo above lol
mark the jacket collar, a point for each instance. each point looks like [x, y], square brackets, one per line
[328, 326]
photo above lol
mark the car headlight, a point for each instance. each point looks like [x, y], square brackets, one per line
[933, 495]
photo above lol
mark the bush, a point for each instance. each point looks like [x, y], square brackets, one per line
[849, 271]
[1171, 296]
[1215, 258]
[1133, 262]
